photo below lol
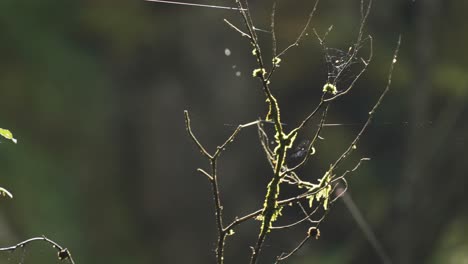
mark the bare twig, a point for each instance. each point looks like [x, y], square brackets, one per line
[62, 253]
[213, 177]
[273, 32]
[236, 29]
[276, 57]
[194, 4]
[193, 137]
[285, 256]
[348, 171]
[307, 217]
[353, 144]
[359, 41]
[205, 173]
[312, 142]
[303, 32]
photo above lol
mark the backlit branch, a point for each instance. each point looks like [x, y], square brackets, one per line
[62, 253]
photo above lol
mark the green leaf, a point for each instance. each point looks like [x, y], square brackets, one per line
[7, 134]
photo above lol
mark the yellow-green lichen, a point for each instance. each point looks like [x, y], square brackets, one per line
[276, 61]
[330, 88]
[260, 72]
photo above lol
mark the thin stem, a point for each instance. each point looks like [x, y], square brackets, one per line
[193, 137]
[236, 28]
[193, 4]
[273, 31]
[353, 144]
[218, 213]
[312, 142]
[307, 217]
[348, 171]
[206, 174]
[358, 43]
[240, 220]
[303, 32]
[62, 253]
[213, 177]
[283, 257]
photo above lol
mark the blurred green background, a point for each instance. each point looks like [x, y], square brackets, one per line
[95, 90]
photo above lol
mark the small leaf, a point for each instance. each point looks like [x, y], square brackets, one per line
[7, 134]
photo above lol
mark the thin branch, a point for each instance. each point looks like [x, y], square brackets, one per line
[205, 173]
[5, 192]
[317, 133]
[297, 198]
[306, 120]
[248, 16]
[213, 177]
[283, 257]
[233, 136]
[219, 149]
[307, 217]
[303, 32]
[62, 253]
[218, 213]
[236, 29]
[193, 137]
[322, 39]
[265, 141]
[358, 43]
[273, 33]
[310, 234]
[276, 58]
[353, 144]
[258, 54]
[340, 191]
[240, 220]
[194, 4]
[270, 205]
[348, 171]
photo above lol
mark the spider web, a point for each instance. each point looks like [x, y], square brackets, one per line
[344, 67]
[339, 64]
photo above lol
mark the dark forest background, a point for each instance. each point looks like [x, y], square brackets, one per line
[94, 91]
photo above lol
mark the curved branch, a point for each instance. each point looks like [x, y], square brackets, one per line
[62, 253]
